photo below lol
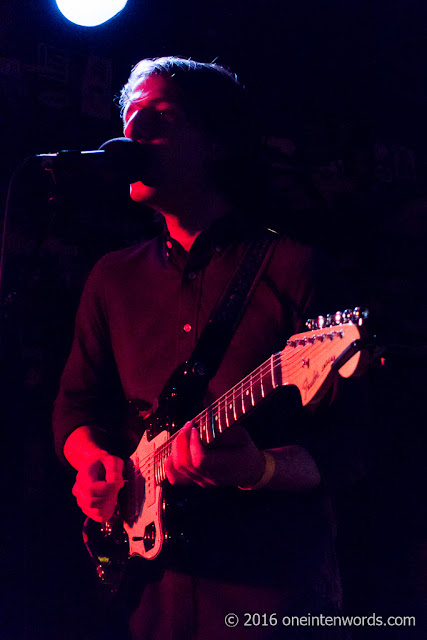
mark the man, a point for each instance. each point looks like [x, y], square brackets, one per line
[269, 550]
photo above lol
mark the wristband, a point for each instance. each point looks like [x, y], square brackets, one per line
[270, 468]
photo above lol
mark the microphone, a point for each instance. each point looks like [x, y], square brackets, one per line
[116, 158]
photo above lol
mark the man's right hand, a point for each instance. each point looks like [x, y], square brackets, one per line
[99, 474]
[97, 486]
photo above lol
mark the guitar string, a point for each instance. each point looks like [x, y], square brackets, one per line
[156, 459]
[252, 378]
[158, 456]
[256, 376]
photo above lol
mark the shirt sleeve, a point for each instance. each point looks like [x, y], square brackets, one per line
[89, 390]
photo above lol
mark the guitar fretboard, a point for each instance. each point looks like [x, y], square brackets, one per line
[239, 400]
[306, 362]
[228, 409]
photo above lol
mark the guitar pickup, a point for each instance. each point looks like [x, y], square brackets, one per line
[149, 536]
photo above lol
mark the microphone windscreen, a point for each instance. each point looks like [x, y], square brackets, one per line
[127, 158]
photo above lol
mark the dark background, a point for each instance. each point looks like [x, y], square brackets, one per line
[341, 88]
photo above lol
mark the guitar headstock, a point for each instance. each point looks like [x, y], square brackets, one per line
[332, 345]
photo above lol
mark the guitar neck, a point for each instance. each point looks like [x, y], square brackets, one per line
[240, 400]
[308, 361]
[229, 408]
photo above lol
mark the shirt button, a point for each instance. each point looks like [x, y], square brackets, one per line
[169, 244]
[218, 248]
[192, 275]
[187, 328]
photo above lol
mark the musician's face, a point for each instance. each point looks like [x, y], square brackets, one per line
[177, 151]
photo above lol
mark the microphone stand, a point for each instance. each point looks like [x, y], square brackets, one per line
[12, 286]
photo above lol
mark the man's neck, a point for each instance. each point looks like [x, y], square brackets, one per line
[185, 225]
[178, 232]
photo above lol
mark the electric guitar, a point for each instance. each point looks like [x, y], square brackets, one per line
[310, 361]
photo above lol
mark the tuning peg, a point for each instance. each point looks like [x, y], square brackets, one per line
[329, 321]
[347, 315]
[356, 316]
[359, 315]
[338, 317]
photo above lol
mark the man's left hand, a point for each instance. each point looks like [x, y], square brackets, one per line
[235, 461]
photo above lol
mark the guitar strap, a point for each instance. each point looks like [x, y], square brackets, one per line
[203, 363]
[193, 376]
[230, 308]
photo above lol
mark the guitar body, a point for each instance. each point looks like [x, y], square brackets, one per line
[143, 505]
[310, 362]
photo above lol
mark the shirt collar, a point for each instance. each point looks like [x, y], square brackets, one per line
[214, 240]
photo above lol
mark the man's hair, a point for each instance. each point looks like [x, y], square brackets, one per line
[214, 100]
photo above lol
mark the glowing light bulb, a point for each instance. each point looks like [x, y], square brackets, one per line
[90, 13]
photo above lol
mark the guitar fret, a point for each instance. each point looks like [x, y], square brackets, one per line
[262, 383]
[199, 426]
[278, 368]
[162, 456]
[203, 434]
[234, 406]
[223, 413]
[218, 416]
[209, 425]
[206, 427]
[247, 396]
[209, 431]
[257, 386]
[273, 377]
[227, 421]
[211, 422]
[156, 467]
[252, 391]
[243, 399]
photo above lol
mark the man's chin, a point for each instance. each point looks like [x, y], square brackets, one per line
[139, 192]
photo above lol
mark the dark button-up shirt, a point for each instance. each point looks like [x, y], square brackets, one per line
[144, 308]
[140, 316]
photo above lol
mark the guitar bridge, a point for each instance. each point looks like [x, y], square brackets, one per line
[149, 536]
